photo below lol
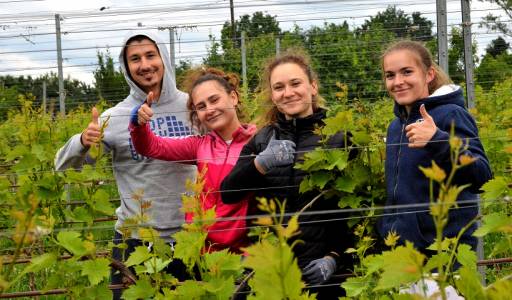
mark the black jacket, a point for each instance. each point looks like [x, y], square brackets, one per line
[319, 238]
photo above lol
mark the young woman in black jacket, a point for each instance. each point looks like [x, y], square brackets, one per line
[266, 167]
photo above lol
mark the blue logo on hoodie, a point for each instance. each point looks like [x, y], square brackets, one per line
[168, 126]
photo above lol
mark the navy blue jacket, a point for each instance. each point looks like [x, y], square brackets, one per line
[406, 184]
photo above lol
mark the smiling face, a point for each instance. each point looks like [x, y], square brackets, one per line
[406, 80]
[292, 90]
[145, 65]
[216, 108]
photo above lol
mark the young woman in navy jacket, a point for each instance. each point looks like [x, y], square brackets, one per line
[426, 106]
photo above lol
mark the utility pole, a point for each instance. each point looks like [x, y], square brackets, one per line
[172, 55]
[468, 53]
[233, 29]
[244, 63]
[62, 93]
[442, 35]
[44, 97]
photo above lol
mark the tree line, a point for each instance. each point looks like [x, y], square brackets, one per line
[344, 57]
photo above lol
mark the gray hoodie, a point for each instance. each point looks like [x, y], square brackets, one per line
[163, 182]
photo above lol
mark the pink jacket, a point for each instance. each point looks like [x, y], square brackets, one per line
[211, 152]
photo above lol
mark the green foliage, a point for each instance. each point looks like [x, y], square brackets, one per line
[110, 83]
[497, 46]
[402, 266]
[256, 25]
[495, 23]
[400, 24]
[493, 69]
[276, 273]
[76, 91]
[96, 270]
[141, 290]
[41, 206]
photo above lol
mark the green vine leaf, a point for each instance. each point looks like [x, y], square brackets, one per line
[493, 190]
[346, 184]
[140, 255]
[142, 289]
[469, 284]
[466, 256]
[402, 265]
[41, 262]
[222, 264]
[96, 270]
[320, 179]
[156, 265]
[361, 138]
[337, 159]
[189, 245]
[102, 202]
[355, 286]
[188, 290]
[277, 275]
[72, 242]
[495, 222]
[313, 161]
[98, 292]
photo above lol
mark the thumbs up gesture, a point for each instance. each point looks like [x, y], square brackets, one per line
[278, 153]
[145, 113]
[92, 134]
[420, 133]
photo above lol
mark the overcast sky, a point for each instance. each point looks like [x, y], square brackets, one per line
[27, 28]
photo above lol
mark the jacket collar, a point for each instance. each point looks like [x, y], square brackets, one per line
[455, 97]
[243, 132]
[308, 122]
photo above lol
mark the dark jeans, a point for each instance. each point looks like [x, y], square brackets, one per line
[175, 268]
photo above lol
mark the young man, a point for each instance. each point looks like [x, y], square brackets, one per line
[146, 66]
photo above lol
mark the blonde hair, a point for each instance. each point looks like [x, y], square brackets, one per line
[229, 81]
[294, 56]
[424, 59]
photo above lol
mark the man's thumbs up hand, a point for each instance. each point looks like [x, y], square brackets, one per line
[421, 132]
[145, 113]
[92, 134]
[95, 115]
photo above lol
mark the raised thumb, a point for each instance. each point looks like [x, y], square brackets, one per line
[150, 99]
[424, 113]
[95, 115]
[273, 137]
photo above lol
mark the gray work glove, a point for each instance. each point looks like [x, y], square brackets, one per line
[319, 270]
[278, 153]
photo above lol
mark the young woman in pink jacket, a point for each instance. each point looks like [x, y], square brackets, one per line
[213, 105]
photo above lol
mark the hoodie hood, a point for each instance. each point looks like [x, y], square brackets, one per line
[169, 91]
[447, 94]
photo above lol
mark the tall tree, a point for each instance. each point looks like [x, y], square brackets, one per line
[342, 56]
[261, 32]
[497, 47]
[77, 92]
[496, 65]
[255, 25]
[110, 83]
[495, 23]
[8, 99]
[400, 24]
